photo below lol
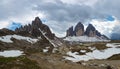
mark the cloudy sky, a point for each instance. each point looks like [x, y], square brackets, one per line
[61, 14]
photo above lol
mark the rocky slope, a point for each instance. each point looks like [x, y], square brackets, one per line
[32, 36]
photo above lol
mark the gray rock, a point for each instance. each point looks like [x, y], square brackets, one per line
[79, 29]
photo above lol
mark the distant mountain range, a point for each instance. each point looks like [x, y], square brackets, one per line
[38, 29]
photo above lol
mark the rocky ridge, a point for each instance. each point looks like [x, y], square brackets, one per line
[34, 29]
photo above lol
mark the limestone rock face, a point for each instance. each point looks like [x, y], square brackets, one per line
[35, 29]
[79, 29]
[70, 31]
[91, 31]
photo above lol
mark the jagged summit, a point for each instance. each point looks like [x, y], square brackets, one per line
[37, 21]
[35, 29]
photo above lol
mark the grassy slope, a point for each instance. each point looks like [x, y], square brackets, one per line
[21, 62]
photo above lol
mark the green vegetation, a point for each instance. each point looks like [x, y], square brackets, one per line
[21, 62]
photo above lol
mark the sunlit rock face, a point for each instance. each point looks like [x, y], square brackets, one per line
[79, 29]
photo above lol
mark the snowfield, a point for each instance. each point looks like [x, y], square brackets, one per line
[96, 54]
[85, 39]
[7, 38]
[11, 53]
[113, 45]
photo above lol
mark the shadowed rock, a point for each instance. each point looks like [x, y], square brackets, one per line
[70, 31]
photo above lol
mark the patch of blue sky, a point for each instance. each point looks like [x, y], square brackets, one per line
[110, 18]
[14, 25]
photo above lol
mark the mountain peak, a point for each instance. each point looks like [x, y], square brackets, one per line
[37, 19]
[35, 29]
[90, 31]
[79, 29]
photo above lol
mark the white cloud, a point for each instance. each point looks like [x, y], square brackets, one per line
[60, 14]
[80, 2]
[105, 27]
[4, 24]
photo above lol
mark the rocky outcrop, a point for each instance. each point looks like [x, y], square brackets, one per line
[79, 29]
[70, 31]
[5, 31]
[35, 29]
[91, 31]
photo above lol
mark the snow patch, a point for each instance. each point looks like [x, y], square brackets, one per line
[47, 37]
[85, 39]
[96, 54]
[83, 51]
[46, 49]
[11, 53]
[54, 50]
[7, 38]
[91, 48]
[113, 45]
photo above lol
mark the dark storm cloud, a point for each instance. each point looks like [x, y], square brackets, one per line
[60, 15]
[64, 12]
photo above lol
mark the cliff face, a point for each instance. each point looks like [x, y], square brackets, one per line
[91, 31]
[35, 29]
[70, 31]
[79, 31]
